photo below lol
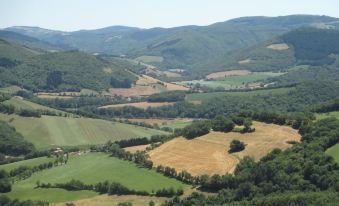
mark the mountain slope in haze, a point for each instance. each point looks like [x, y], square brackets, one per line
[27, 41]
[187, 47]
[304, 46]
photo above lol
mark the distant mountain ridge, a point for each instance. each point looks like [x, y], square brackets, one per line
[186, 47]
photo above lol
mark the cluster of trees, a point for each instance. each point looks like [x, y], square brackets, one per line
[110, 188]
[12, 143]
[69, 70]
[171, 96]
[10, 109]
[327, 106]
[183, 176]
[236, 146]
[143, 140]
[5, 184]
[5, 201]
[115, 150]
[300, 170]
[313, 46]
[196, 129]
[24, 172]
[219, 123]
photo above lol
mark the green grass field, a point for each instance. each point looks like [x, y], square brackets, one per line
[233, 82]
[207, 96]
[30, 162]
[320, 116]
[51, 131]
[10, 89]
[176, 125]
[334, 152]
[20, 103]
[90, 168]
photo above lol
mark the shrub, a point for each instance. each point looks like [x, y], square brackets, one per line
[236, 146]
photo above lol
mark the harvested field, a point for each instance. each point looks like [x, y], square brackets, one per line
[216, 75]
[161, 121]
[134, 91]
[175, 87]
[208, 154]
[135, 149]
[143, 105]
[278, 46]
[110, 200]
[145, 86]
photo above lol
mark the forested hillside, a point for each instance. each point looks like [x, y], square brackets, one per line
[63, 71]
[189, 47]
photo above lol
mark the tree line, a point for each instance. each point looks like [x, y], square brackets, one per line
[110, 188]
[300, 170]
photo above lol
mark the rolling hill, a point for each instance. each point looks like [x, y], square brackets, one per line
[305, 46]
[187, 47]
[51, 131]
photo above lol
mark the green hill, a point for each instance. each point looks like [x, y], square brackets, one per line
[27, 41]
[51, 131]
[188, 47]
[83, 168]
[70, 70]
[306, 46]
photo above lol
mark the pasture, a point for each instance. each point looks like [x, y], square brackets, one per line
[29, 162]
[106, 200]
[202, 97]
[320, 116]
[172, 123]
[51, 131]
[249, 80]
[208, 154]
[10, 89]
[334, 152]
[19, 103]
[90, 168]
[229, 73]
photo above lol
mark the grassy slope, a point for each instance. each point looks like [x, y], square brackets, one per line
[91, 168]
[30, 162]
[20, 103]
[10, 89]
[50, 131]
[208, 96]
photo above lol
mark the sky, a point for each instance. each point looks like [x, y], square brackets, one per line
[71, 15]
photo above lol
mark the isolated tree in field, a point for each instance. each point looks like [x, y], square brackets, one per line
[247, 126]
[222, 124]
[236, 146]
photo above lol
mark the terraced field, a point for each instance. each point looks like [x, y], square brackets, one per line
[51, 131]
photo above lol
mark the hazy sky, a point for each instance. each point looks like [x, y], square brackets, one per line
[72, 15]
